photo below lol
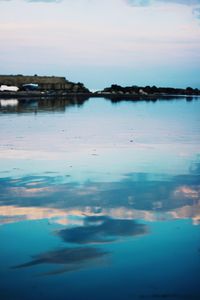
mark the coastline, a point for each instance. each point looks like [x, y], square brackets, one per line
[38, 95]
[51, 87]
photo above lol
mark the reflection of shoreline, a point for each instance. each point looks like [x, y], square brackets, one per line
[6, 103]
[60, 104]
[31, 104]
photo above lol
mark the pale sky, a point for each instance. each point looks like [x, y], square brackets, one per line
[100, 42]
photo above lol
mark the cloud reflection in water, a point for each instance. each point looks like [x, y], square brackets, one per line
[102, 229]
[72, 259]
[138, 195]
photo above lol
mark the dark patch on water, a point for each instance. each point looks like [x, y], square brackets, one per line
[72, 259]
[102, 230]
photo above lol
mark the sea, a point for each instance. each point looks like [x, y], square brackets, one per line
[100, 199]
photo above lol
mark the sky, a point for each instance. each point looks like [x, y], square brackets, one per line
[101, 42]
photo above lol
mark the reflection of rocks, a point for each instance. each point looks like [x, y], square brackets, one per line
[101, 230]
[72, 258]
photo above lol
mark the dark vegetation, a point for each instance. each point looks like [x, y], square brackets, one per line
[150, 90]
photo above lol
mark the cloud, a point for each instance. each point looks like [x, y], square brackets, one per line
[47, 191]
[149, 2]
[183, 2]
[145, 3]
[102, 229]
[132, 2]
[139, 2]
[196, 12]
[46, 1]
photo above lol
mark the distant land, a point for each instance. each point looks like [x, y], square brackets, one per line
[21, 86]
[41, 83]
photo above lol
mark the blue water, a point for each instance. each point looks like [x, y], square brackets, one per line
[100, 200]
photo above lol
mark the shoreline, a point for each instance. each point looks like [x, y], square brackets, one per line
[37, 94]
[111, 96]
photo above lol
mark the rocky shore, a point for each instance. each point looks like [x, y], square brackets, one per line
[20, 86]
[58, 87]
[148, 91]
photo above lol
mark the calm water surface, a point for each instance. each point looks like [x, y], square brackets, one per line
[99, 200]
